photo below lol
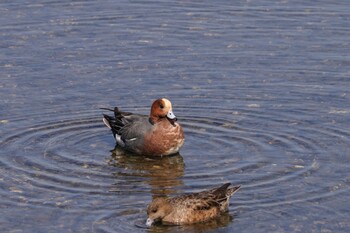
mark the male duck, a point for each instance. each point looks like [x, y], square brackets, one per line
[155, 135]
[190, 208]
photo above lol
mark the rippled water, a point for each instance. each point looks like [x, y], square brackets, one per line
[261, 89]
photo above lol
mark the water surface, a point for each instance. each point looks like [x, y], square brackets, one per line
[261, 89]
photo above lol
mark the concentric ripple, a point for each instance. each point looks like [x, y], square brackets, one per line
[56, 154]
[66, 162]
[240, 151]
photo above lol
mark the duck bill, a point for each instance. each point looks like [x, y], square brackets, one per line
[171, 117]
[149, 222]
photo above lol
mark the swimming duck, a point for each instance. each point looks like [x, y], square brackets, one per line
[158, 134]
[190, 208]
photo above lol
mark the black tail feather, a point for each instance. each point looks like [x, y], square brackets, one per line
[108, 109]
[115, 123]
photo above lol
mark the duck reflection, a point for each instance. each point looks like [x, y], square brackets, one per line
[212, 225]
[164, 173]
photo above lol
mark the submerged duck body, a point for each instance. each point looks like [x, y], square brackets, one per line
[191, 208]
[155, 135]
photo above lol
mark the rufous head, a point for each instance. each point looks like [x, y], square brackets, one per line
[161, 108]
[157, 210]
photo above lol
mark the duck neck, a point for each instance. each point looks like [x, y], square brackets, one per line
[154, 119]
[151, 120]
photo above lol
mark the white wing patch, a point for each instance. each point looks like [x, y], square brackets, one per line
[119, 140]
[131, 139]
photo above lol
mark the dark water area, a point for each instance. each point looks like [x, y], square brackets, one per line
[261, 88]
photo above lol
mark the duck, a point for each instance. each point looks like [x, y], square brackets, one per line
[158, 134]
[190, 208]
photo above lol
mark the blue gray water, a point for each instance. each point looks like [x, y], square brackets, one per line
[261, 88]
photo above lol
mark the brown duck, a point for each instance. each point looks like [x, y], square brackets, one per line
[155, 135]
[190, 208]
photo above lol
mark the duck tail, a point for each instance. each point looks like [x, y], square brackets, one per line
[224, 192]
[222, 189]
[107, 120]
[232, 190]
[113, 123]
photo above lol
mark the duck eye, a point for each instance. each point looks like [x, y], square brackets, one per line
[154, 210]
[161, 106]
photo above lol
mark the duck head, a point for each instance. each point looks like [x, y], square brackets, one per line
[162, 108]
[158, 209]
